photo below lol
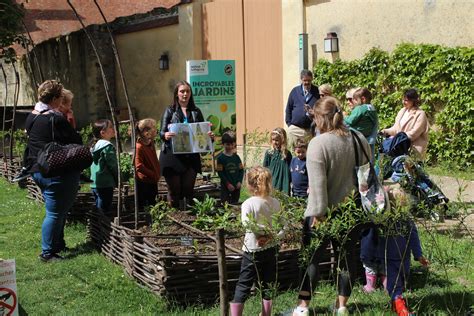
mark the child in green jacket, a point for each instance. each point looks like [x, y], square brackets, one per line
[104, 169]
[363, 117]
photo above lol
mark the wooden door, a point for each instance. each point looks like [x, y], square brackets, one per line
[249, 31]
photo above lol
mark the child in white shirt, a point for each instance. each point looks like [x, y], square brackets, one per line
[260, 247]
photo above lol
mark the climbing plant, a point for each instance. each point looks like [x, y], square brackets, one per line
[11, 29]
[444, 78]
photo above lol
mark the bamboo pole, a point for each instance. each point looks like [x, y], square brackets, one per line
[111, 108]
[33, 51]
[129, 107]
[221, 264]
[4, 115]
[15, 103]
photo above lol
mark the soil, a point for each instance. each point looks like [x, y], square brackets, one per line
[182, 241]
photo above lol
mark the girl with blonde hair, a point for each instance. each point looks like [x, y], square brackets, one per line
[259, 260]
[325, 90]
[278, 160]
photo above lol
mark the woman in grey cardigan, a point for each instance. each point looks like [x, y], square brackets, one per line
[330, 163]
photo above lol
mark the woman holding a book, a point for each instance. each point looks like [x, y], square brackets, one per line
[179, 170]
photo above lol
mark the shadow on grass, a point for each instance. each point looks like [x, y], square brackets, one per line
[420, 277]
[83, 248]
[21, 310]
[455, 303]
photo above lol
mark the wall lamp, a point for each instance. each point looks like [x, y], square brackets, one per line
[164, 62]
[331, 43]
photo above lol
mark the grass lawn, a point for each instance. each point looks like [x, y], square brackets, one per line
[88, 283]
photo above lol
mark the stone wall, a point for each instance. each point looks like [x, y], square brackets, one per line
[72, 60]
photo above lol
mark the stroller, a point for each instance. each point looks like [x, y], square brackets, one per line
[401, 168]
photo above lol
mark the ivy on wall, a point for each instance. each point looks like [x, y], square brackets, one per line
[444, 78]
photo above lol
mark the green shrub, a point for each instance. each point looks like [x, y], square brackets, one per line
[126, 166]
[442, 75]
[86, 134]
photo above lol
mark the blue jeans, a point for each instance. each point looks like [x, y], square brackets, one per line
[103, 199]
[59, 194]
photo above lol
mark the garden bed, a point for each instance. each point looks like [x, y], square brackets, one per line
[9, 168]
[180, 262]
[85, 201]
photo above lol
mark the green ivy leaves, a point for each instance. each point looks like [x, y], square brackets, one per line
[443, 76]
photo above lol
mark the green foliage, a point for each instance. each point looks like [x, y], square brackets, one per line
[159, 214]
[126, 166]
[20, 139]
[442, 75]
[124, 133]
[11, 29]
[211, 216]
[86, 134]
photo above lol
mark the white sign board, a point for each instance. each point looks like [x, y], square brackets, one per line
[8, 294]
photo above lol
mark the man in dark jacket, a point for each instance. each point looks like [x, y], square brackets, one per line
[301, 98]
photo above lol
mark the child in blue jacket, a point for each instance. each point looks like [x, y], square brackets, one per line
[385, 252]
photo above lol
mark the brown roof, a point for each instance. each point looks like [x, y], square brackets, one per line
[47, 19]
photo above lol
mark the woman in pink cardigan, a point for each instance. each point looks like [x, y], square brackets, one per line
[413, 121]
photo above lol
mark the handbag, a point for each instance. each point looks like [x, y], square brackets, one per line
[373, 197]
[55, 159]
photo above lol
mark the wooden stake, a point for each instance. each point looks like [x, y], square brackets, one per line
[221, 263]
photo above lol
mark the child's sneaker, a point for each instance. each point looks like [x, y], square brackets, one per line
[300, 311]
[342, 311]
[400, 307]
[21, 176]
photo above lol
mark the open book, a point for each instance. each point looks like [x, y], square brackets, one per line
[191, 138]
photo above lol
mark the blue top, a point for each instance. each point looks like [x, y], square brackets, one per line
[402, 241]
[295, 113]
[299, 177]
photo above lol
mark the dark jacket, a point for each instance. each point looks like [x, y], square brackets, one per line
[179, 162]
[399, 243]
[40, 129]
[295, 113]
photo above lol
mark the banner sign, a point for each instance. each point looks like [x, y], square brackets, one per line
[213, 87]
[8, 294]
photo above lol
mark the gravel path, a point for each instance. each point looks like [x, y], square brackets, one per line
[451, 188]
[454, 188]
